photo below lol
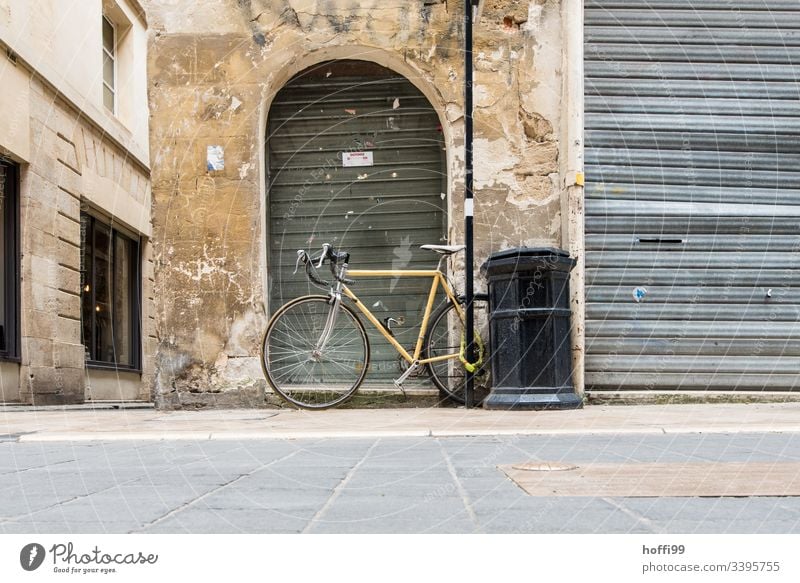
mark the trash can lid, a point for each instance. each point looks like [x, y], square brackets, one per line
[516, 252]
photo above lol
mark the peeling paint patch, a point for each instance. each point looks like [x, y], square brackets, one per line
[534, 23]
[497, 163]
[245, 332]
[453, 112]
[483, 96]
[244, 169]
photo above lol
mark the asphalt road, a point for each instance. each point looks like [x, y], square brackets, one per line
[368, 485]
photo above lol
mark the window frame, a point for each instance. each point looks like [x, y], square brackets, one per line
[12, 259]
[112, 56]
[134, 288]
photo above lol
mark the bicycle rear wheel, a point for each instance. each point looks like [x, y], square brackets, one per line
[444, 338]
[298, 370]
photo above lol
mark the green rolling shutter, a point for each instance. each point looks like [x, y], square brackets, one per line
[381, 213]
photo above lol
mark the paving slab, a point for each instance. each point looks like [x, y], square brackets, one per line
[714, 509]
[595, 518]
[647, 480]
[449, 525]
[730, 527]
[213, 521]
[64, 527]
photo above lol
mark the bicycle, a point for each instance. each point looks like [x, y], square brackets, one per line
[315, 352]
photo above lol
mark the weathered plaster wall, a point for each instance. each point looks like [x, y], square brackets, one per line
[214, 69]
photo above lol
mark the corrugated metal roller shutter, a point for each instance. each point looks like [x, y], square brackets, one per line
[380, 213]
[693, 194]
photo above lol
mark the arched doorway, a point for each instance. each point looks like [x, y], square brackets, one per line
[356, 158]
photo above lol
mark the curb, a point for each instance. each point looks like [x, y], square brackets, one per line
[374, 434]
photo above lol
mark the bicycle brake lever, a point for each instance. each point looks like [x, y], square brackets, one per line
[325, 247]
[300, 259]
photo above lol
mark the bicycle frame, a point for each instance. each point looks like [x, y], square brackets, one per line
[437, 278]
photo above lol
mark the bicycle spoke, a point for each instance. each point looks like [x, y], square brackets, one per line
[302, 373]
[444, 338]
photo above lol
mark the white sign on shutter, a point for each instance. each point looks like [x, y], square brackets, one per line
[356, 159]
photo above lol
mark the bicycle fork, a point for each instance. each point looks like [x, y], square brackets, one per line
[330, 324]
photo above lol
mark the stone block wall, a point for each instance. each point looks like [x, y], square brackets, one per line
[69, 160]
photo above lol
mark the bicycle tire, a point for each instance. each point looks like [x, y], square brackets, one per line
[297, 375]
[444, 337]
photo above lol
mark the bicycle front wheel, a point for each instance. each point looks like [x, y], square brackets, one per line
[444, 338]
[305, 371]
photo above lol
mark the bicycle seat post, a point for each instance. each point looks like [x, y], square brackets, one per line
[439, 265]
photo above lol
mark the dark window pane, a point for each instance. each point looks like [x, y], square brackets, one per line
[4, 184]
[109, 57]
[9, 260]
[87, 285]
[108, 36]
[122, 300]
[108, 70]
[108, 98]
[110, 308]
[3, 179]
[104, 348]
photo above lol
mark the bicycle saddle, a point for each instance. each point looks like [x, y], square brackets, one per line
[444, 249]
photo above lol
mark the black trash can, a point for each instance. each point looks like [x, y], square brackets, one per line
[529, 329]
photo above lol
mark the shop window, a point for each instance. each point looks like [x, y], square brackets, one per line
[111, 304]
[9, 261]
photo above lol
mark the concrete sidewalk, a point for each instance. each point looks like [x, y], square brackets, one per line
[17, 424]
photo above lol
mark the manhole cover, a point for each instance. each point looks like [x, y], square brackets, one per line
[544, 467]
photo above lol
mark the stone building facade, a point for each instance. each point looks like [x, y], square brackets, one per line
[281, 124]
[78, 319]
[215, 70]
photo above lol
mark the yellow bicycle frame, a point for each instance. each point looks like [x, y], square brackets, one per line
[437, 278]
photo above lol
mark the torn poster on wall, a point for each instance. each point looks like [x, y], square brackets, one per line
[215, 158]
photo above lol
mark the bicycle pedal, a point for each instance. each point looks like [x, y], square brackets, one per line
[408, 372]
[402, 389]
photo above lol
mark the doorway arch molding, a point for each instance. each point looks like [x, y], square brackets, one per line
[391, 60]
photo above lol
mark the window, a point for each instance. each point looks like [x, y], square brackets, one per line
[109, 65]
[110, 283]
[9, 261]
